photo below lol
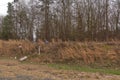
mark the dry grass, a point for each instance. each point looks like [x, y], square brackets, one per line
[78, 52]
[11, 69]
[11, 47]
[14, 70]
[75, 52]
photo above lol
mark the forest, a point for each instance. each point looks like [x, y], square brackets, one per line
[74, 20]
[60, 40]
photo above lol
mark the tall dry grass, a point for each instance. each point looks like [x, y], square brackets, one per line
[87, 52]
[58, 51]
[11, 47]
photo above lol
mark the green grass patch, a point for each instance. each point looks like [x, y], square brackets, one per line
[107, 47]
[84, 69]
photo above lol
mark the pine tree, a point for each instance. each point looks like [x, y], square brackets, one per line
[7, 24]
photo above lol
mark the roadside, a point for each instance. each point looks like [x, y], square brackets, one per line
[14, 70]
[94, 54]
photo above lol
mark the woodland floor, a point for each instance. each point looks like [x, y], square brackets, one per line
[15, 70]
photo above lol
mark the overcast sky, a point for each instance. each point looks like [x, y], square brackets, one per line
[3, 6]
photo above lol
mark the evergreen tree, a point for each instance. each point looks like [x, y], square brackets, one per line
[7, 24]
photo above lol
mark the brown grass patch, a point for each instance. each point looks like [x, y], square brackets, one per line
[75, 52]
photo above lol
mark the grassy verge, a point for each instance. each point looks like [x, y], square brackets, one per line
[84, 69]
[73, 67]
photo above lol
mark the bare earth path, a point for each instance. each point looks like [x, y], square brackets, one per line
[14, 70]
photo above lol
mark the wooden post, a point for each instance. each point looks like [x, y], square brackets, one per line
[39, 50]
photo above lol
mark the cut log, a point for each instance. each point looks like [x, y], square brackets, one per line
[23, 58]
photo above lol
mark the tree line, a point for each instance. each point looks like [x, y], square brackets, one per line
[76, 20]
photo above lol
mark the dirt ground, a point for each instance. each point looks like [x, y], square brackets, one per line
[14, 70]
